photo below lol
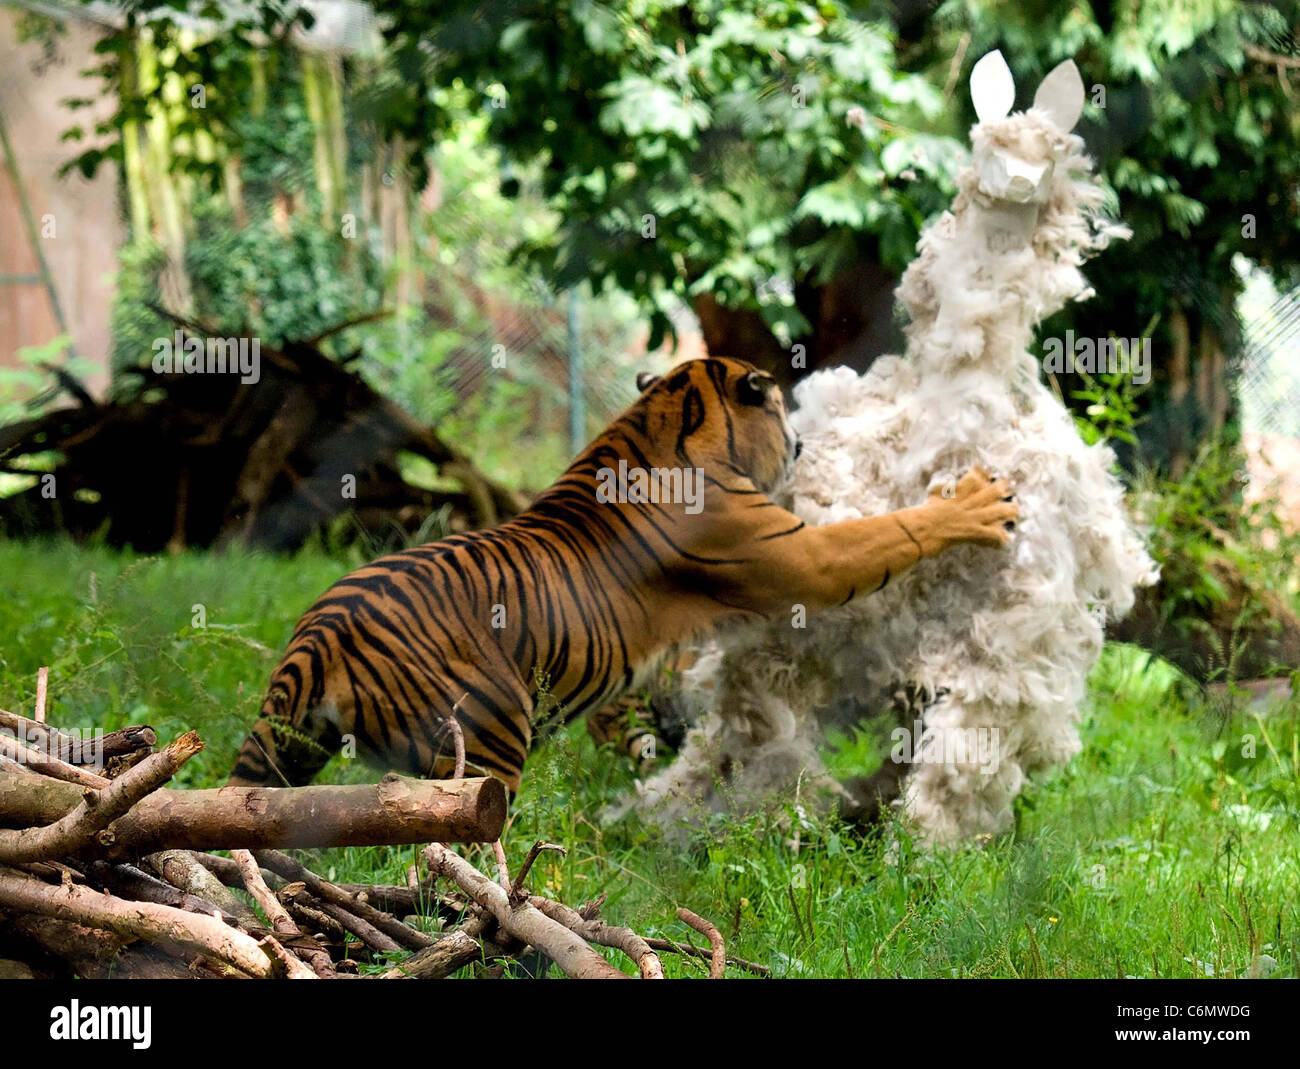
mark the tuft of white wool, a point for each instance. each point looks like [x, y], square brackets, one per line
[1007, 637]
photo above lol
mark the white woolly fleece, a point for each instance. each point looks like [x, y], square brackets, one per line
[1007, 636]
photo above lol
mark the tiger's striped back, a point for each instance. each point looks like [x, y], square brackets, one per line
[549, 615]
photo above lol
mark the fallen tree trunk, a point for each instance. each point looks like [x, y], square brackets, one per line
[395, 811]
[175, 460]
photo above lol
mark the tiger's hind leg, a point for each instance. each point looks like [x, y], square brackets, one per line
[641, 724]
[279, 753]
[628, 725]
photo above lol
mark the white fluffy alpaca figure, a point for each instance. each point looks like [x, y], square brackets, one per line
[1003, 639]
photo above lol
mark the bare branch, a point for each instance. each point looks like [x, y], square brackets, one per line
[34, 760]
[329, 894]
[523, 921]
[42, 684]
[279, 917]
[606, 935]
[516, 888]
[718, 966]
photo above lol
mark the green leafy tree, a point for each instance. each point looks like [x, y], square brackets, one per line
[745, 158]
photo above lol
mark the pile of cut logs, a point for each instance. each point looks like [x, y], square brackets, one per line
[106, 872]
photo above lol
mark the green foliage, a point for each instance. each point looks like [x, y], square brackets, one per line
[118, 634]
[1197, 522]
[223, 51]
[281, 275]
[1202, 517]
[292, 280]
[1111, 401]
[18, 384]
[761, 141]
[135, 324]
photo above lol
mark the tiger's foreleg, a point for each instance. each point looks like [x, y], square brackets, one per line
[821, 567]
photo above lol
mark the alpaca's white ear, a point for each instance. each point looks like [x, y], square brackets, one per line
[992, 89]
[1061, 95]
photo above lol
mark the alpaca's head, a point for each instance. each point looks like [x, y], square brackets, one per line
[1028, 212]
[1015, 156]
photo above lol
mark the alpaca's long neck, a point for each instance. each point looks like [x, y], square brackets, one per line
[972, 294]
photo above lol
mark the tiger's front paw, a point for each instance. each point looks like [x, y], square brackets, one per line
[978, 509]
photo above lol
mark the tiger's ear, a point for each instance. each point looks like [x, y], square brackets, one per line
[752, 389]
[644, 380]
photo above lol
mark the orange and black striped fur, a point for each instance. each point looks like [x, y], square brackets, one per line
[562, 609]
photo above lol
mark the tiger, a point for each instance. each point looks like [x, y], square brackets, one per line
[664, 528]
[642, 722]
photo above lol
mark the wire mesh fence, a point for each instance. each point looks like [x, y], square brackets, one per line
[1270, 378]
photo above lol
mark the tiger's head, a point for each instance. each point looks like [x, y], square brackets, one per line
[721, 413]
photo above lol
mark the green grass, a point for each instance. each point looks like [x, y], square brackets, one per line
[1168, 848]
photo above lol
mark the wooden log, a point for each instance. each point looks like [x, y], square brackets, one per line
[172, 929]
[225, 870]
[36, 760]
[362, 929]
[127, 881]
[280, 920]
[401, 934]
[144, 962]
[73, 749]
[395, 811]
[66, 950]
[605, 935]
[306, 911]
[522, 920]
[453, 951]
[181, 870]
[87, 823]
[64, 941]
[124, 741]
[399, 901]
[293, 968]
